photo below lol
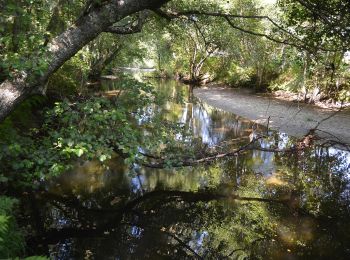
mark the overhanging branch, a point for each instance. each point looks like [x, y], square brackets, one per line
[299, 43]
[131, 28]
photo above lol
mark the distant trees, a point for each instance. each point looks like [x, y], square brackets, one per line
[324, 27]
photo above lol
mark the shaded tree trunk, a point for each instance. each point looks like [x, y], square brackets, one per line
[56, 24]
[98, 66]
[16, 27]
[305, 75]
[66, 45]
[283, 58]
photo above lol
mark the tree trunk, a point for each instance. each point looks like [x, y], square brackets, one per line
[66, 45]
[11, 94]
[98, 67]
[56, 24]
[283, 58]
[16, 27]
[305, 75]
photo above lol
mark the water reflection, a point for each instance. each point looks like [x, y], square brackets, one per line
[197, 242]
[304, 215]
[62, 250]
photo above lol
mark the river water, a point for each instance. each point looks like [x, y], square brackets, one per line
[257, 205]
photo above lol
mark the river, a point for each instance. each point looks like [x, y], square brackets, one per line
[257, 205]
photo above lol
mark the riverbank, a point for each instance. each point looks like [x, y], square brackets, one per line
[286, 116]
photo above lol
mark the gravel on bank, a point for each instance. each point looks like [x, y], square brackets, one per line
[288, 117]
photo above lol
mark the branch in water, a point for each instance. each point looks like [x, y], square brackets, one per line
[212, 158]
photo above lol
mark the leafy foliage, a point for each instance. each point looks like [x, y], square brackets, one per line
[11, 239]
[25, 29]
[324, 23]
[87, 129]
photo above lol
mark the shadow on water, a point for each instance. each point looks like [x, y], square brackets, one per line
[257, 205]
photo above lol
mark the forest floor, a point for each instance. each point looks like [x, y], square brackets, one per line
[295, 119]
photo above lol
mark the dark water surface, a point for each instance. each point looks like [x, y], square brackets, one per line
[258, 205]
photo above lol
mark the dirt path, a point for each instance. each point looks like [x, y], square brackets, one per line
[289, 117]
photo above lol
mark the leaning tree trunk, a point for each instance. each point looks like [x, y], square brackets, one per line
[66, 45]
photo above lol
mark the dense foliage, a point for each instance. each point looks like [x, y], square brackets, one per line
[85, 129]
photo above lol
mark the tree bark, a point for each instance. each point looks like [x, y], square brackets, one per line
[66, 45]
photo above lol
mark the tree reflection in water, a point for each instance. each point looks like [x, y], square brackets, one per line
[258, 205]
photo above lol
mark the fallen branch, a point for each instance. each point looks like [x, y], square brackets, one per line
[202, 160]
[212, 158]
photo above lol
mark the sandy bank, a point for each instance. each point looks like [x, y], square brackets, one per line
[289, 117]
